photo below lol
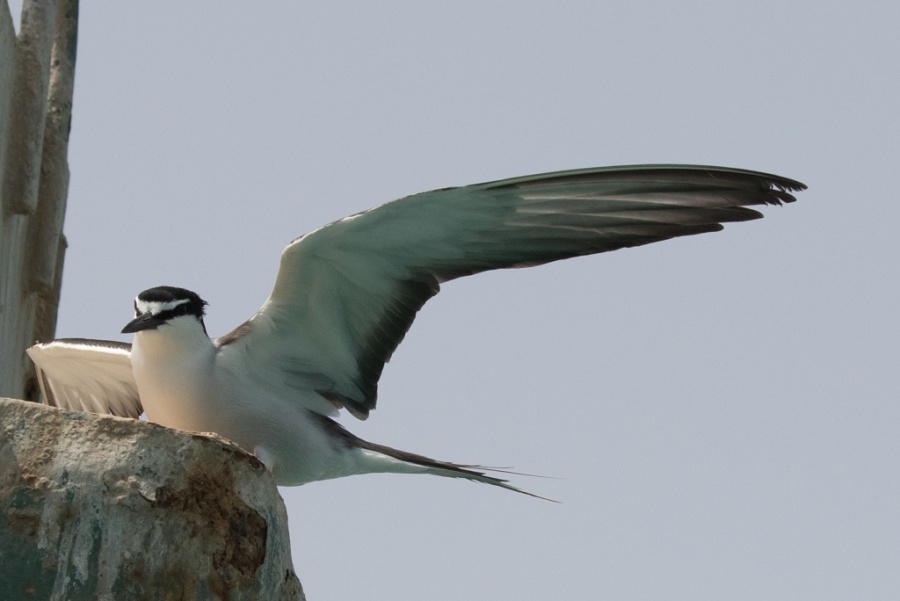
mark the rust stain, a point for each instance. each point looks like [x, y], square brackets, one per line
[237, 531]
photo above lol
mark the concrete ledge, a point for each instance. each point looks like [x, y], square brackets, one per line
[100, 507]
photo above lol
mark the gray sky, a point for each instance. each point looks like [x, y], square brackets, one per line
[721, 412]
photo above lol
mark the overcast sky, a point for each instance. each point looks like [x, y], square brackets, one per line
[720, 412]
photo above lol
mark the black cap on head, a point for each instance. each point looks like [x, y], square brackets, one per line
[155, 306]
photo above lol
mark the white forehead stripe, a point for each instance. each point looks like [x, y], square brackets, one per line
[155, 308]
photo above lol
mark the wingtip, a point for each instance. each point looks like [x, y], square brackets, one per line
[781, 190]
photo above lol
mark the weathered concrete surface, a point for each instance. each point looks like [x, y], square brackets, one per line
[103, 508]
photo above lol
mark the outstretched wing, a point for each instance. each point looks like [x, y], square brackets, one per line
[347, 293]
[87, 375]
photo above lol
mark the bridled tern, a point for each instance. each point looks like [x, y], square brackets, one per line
[347, 293]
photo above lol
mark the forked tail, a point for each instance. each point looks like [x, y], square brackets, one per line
[381, 458]
[447, 469]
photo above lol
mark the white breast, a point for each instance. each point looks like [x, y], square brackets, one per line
[172, 368]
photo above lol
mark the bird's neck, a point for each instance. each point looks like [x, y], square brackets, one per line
[182, 340]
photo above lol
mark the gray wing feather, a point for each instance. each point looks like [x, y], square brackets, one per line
[347, 293]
